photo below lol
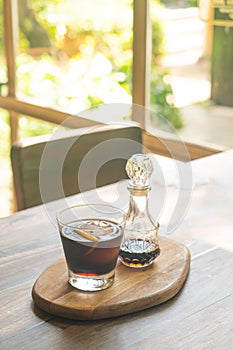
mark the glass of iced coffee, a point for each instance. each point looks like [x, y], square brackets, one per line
[91, 236]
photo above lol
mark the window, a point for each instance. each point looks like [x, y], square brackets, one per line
[192, 72]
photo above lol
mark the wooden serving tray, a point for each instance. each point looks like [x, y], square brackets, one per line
[132, 290]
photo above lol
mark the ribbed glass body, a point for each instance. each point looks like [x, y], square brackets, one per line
[139, 246]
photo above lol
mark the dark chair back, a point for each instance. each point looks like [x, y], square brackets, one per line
[47, 168]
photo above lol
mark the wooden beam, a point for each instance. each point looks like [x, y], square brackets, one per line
[153, 143]
[10, 39]
[176, 148]
[44, 113]
[10, 30]
[141, 61]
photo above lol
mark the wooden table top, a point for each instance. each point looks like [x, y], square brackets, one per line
[199, 317]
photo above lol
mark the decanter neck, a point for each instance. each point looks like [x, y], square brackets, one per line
[139, 191]
[138, 199]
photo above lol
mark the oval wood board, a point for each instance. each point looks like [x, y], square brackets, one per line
[132, 290]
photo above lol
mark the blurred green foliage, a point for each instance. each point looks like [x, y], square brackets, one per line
[89, 61]
[193, 3]
[162, 102]
[180, 3]
[5, 134]
[31, 127]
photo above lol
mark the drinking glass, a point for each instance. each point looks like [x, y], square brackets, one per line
[91, 236]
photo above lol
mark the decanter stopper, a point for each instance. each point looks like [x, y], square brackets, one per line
[139, 169]
[139, 247]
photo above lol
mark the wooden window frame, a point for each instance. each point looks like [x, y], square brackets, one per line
[140, 84]
[14, 106]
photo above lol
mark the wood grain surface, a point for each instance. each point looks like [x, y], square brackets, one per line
[133, 289]
[199, 317]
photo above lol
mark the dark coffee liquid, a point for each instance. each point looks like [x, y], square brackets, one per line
[138, 253]
[91, 258]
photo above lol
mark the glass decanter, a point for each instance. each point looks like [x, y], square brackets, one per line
[139, 246]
